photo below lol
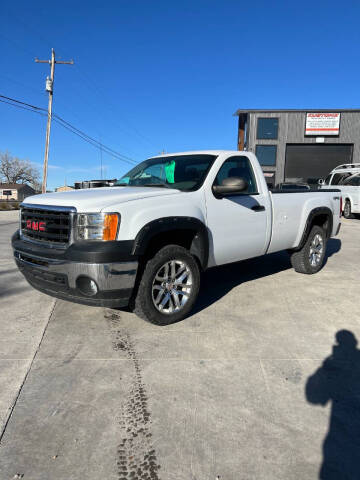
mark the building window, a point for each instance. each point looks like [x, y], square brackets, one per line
[267, 128]
[266, 154]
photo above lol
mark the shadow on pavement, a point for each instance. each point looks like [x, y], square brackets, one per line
[338, 381]
[10, 270]
[13, 291]
[219, 281]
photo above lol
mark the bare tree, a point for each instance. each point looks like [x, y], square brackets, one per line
[15, 170]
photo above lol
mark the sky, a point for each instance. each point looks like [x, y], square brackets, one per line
[153, 76]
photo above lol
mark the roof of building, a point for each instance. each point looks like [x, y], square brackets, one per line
[15, 186]
[294, 110]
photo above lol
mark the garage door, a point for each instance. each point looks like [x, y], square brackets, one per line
[308, 163]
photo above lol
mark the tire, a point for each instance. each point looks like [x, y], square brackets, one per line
[160, 299]
[347, 210]
[310, 258]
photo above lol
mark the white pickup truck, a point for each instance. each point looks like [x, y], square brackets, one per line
[145, 241]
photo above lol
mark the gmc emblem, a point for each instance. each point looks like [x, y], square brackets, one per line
[31, 225]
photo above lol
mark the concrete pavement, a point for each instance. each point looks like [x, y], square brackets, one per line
[24, 315]
[222, 393]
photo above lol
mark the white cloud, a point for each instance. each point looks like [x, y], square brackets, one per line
[50, 166]
[71, 170]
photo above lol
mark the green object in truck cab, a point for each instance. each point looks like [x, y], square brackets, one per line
[170, 171]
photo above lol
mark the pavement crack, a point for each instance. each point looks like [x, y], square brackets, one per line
[12, 408]
[136, 456]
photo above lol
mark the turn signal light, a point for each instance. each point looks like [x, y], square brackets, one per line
[110, 226]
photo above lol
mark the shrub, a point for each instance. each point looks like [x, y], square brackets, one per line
[4, 206]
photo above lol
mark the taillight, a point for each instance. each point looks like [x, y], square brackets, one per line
[340, 206]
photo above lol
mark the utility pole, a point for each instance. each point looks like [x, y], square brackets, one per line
[49, 88]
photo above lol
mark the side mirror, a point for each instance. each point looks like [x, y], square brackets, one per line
[321, 181]
[230, 186]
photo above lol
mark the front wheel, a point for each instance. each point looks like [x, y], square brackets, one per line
[310, 258]
[169, 286]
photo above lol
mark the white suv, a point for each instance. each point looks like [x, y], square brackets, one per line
[347, 178]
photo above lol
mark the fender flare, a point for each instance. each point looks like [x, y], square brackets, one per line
[199, 246]
[310, 220]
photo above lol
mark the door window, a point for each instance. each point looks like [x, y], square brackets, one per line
[238, 167]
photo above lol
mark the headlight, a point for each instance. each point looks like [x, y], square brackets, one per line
[96, 226]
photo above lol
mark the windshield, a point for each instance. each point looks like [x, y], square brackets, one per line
[182, 172]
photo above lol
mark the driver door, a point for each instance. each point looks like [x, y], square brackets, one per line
[238, 223]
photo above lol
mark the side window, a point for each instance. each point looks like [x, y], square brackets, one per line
[337, 178]
[354, 181]
[345, 179]
[237, 167]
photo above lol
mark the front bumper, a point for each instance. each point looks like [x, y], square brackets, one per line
[51, 272]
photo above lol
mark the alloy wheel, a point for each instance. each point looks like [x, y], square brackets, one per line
[316, 250]
[172, 286]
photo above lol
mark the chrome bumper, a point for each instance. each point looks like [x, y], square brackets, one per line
[58, 278]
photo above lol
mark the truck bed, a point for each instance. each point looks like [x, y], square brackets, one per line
[290, 210]
[312, 190]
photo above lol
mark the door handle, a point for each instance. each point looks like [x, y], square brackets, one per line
[258, 208]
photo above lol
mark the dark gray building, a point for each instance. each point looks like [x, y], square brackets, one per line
[300, 145]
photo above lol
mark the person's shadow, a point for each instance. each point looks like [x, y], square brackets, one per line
[338, 381]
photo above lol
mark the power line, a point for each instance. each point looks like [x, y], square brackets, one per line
[92, 141]
[24, 108]
[68, 126]
[35, 33]
[101, 145]
[23, 103]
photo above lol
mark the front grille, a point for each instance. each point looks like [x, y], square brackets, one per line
[55, 228]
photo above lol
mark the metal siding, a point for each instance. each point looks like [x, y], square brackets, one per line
[292, 130]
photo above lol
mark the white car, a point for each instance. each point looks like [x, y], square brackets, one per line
[347, 179]
[145, 241]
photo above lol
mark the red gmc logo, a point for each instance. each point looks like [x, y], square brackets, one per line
[32, 225]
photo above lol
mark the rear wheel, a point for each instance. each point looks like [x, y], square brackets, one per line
[310, 258]
[169, 286]
[347, 210]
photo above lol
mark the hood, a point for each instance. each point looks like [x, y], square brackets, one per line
[95, 199]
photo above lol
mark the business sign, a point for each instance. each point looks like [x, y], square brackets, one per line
[322, 124]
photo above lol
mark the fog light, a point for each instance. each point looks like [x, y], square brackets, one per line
[87, 286]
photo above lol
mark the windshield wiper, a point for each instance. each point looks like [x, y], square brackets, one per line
[155, 185]
[163, 185]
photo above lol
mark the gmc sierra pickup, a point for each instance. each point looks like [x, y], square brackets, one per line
[145, 241]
